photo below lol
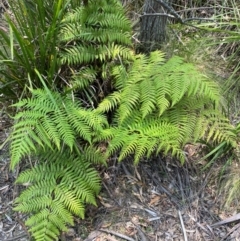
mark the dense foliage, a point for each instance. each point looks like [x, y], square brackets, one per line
[83, 86]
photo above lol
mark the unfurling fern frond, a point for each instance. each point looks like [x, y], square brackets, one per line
[57, 189]
[51, 120]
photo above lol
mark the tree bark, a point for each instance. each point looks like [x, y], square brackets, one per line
[152, 27]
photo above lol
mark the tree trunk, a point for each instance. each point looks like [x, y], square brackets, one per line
[152, 27]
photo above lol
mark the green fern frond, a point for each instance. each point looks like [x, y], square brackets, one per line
[152, 85]
[99, 31]
[106, 15]
[144, 139]
[171, 81]
[109, 103]
[45, 224]
[95, 36]
[51, 123]
[148, 98]
[160, 106]
[216, 128]
[57, 190]
[84, 54]
[93, 155]
[129, 101]
[82, 79]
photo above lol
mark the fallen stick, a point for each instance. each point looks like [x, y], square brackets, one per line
[231, 231]
[234, 218]
[182, 225]
[18, 237]
[140, 232]
[116, 234]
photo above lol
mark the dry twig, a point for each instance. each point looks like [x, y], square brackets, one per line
[234, 218]
[182, 225]
[116, 234]
[231, 231]
[140, 232]
[18, 237]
